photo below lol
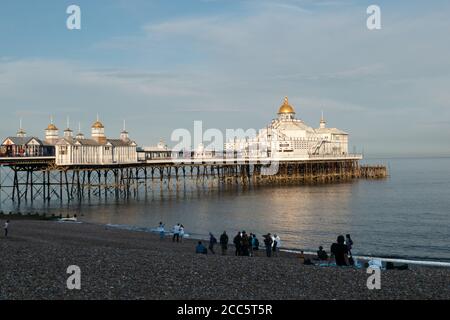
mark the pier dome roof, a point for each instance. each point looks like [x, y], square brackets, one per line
[286, 107]
[98, 125]
[51, 126]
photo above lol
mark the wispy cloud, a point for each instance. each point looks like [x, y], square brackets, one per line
[232, 68]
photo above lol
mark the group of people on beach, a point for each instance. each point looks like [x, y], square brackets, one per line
[200, 248]
[177, 230]
[340, 251]
[247, 244]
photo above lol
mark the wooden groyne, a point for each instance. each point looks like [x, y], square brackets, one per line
[373, 172]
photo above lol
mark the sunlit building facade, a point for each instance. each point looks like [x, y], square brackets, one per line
[287, 137]
[98, 150]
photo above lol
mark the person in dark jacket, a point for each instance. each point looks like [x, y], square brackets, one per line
[224, 243]
[245, 244]
[340, 251]
[212, 242]
[349, 243]
[6, 227]
[237, 243]
[268, 243]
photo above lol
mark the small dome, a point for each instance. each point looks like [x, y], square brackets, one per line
[51, 126]
[98, 125]
[286, 107]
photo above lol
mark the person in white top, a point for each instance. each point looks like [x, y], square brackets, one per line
[176, 232]
[161, 230]
[276, 242]
[6, 228]
[181, 233]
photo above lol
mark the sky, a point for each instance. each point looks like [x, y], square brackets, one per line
[161, 65]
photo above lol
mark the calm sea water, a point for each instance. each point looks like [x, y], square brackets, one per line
[406, 215]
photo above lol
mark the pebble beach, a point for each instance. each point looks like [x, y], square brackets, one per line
[123, 264]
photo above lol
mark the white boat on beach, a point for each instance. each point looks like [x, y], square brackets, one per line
[73, 219]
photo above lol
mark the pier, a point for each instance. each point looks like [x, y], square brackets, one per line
[72, 168]
[29, 179]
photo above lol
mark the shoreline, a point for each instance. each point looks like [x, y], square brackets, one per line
[410, 260]
[405, 260]
[122, 264]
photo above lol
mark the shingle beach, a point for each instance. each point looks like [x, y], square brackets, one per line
[122, 264]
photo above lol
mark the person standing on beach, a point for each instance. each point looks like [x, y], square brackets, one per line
[6, 226]
[224, 243]
[268, 243]
[276, 243]
[212, 242]
[176, 232]
[255, 243]
[250, 244]
[161, 231]
[237, 243]
[245, 243]
[181, 233]
[349, 243]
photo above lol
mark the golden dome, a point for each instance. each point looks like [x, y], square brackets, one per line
[98, 125]
[51, 126]
[286, 107]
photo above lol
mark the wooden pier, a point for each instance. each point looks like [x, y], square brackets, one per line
[39, 179]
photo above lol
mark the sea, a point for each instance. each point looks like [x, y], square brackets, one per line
[405, 216]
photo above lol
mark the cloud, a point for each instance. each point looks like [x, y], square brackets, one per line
[233, 69]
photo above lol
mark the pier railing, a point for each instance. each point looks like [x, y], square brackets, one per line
[188, 158]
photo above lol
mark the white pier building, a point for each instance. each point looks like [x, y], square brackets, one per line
[290, 138]
[99, 150]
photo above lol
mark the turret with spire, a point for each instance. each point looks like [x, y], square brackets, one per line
[51, 133]
[68, 133]
[323, 123]
[124, 134]
[79, 136]
[21, 133]
[98, 131]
